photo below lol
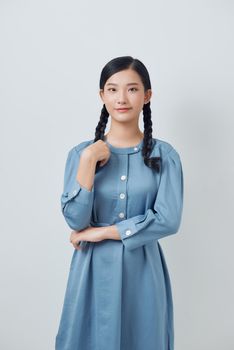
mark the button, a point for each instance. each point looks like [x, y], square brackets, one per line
[122, 195]
[121, 215]
[135, 148]
[123, 177]
[74, 192]
[128, 232]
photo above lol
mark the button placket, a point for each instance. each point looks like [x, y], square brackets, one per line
[123, 188]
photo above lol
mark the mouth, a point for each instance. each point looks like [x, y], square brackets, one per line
[122, 109]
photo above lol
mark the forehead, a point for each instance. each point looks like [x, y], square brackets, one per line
[124, 77]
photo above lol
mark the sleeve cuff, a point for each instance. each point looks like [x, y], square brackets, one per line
[126, 228]
[85, 196]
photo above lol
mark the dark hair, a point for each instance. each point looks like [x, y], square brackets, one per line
[115, 65]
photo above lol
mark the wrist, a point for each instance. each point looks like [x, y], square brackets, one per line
[89, 157]
[111, 232]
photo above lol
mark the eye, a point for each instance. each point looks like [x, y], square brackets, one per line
[134, 89]
[111, 89]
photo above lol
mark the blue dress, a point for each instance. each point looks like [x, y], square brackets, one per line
[118, 294]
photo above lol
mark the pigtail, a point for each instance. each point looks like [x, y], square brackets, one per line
[100, 129]
[152, 162]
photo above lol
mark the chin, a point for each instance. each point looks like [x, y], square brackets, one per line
[123, 118]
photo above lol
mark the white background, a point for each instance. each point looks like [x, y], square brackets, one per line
[52, 53]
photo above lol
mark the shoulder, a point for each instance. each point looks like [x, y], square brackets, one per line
[163, 149]
[76, 149]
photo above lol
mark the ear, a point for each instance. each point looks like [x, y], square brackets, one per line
[148, 95]
[101, 94]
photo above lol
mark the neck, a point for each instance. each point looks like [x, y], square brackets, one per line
[124, 140]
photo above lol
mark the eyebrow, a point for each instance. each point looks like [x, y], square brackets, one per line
[126, 84]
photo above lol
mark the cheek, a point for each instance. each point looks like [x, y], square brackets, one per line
[137, 101]
[110, 101]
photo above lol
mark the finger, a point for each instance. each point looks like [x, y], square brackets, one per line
[77, 247]
[103, 162]
[75, 244]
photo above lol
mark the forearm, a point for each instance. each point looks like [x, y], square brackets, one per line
[86, 172]
[110, 232]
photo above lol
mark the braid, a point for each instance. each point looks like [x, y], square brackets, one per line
[152, 162]
[100, 129]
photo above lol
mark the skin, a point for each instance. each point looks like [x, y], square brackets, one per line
[124, 132]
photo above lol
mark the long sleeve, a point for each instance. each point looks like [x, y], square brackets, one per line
[165, 216]
[76, 201]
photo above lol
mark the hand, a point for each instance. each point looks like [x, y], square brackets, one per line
[98, 150]
[90, 234]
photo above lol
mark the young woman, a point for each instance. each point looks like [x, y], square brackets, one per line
[123, 191]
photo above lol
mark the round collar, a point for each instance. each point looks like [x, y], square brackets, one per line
[125, 150]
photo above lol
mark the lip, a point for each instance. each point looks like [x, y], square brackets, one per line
[122, 109]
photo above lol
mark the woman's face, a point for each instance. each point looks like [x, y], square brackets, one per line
[125, 90]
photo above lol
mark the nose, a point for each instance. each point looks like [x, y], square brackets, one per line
[121, 98]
